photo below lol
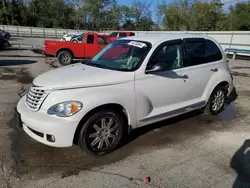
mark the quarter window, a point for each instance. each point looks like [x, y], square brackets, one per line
[171, 55]
[214, 51]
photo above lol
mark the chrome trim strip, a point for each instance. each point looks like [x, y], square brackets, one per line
[176, 112]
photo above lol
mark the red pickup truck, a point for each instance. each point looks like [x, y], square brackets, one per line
[91, 44]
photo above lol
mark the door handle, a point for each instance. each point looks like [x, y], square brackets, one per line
[183, 76]
[214, 70]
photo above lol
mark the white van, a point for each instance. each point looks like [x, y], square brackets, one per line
[131, 83]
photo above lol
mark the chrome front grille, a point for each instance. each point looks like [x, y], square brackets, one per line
[35, 97]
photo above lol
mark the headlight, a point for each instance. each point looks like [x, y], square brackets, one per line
[65, 109]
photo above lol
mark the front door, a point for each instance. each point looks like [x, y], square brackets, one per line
[90, 46]
[162, 94]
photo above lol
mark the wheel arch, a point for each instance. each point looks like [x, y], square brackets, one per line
[113, 106]
[222, 83]
[65, 49]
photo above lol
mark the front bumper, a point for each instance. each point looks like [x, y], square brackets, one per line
[41, 126]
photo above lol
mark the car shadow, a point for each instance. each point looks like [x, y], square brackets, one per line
[13, 62]
[136, 133]
[241, 164]
[37, 51]
[15, 39]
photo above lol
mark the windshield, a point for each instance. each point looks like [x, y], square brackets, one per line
[122, 55]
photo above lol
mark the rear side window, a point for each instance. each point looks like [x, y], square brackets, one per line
[90, 39]
[122, 35]
[113, 35]
[197, 53]
[132, 34]
[214, 51]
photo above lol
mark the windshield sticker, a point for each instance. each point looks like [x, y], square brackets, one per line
[137, 44]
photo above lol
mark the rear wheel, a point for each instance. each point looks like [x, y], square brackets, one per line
[65, 58]
[102, 133]
[216, 102]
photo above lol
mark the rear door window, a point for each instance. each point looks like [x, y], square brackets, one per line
[122, 35]
[197, 53]
[90, 39]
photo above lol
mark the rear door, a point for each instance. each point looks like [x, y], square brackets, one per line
[200, 67]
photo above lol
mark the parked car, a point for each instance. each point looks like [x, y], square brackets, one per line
[4, 43]
[149, 79]
[4, 34]
[91, 44]
[77, 38]
[116, 35]
[68, 37]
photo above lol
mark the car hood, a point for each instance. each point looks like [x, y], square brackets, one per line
[79, 76]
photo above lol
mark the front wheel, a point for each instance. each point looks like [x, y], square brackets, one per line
[65, 58]
[102, 133]
[6, 46]
[217, 100]
[7, 36]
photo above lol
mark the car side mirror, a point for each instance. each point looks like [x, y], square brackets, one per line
[157, 67]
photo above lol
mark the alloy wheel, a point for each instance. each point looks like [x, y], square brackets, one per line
[218, 100]
[103, 133]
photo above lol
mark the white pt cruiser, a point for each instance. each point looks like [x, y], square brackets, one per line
[133, 82]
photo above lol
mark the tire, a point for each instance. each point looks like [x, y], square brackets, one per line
[6, 46]
[7, 36]
[95, 136]
[216, 101]
[64, 58]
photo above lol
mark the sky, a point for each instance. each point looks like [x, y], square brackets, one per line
[155, 2]
[227, 3]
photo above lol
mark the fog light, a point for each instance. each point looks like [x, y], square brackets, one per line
[51, 138]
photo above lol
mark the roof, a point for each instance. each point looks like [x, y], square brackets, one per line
[161, 37]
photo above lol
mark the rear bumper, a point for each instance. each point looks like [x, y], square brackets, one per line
[232, 95]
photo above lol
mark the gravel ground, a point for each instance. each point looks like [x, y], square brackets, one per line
[193, 150]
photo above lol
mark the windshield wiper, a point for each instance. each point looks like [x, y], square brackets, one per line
[99, 65]
[85, 61]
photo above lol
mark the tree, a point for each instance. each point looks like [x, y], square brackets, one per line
[240, 16]
[173, 18]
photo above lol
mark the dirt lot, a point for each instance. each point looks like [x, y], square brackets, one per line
[193, 150]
